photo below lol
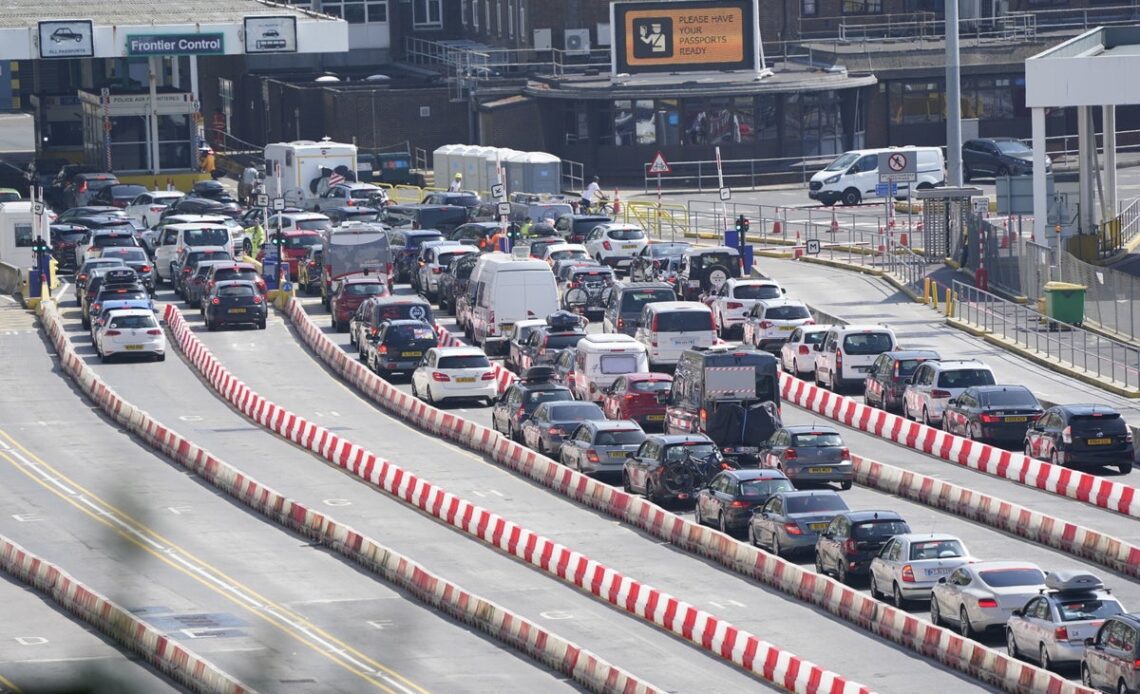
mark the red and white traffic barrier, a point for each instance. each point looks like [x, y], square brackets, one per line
[697, 626]
[167, 655]
[875, 616]
[1098, 491]
[557, 653]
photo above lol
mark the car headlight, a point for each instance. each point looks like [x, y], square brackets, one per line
[832, 179]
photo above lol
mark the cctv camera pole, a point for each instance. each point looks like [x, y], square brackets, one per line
[953, 96]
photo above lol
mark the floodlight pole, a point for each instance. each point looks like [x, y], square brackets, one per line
[953, 96]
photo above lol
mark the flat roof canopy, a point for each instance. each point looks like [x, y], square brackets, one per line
[34, 29]
[1088, 70]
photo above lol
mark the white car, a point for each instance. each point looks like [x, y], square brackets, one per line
[848, 353]
[435, 257]
[909, 565]
[565, 251]
[148, 207]
[130, 332]
[732, 301]
[297, 221]
[770, 323]
[1052, 627]
[93, 243]
[346, 195]
[933, 384]
[975, 597]
[615, 244]
[797, 355]
[453, 373]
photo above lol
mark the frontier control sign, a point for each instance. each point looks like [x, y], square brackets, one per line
[175, 44]
[684, 35]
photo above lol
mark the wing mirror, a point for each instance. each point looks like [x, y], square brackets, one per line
[942, 580]
[817, 347]
[1017, 612]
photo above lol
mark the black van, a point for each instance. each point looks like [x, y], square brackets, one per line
[623, 304]
[420, 216]
[712, 395]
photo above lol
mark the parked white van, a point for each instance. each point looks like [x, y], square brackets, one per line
[508, 289]
[667, 328]
[601, 358]
[852, 177]
[847, 353]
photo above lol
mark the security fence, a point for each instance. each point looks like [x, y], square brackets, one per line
[1111, 300]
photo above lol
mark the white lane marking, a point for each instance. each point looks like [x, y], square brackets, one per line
[179, 510]
[26, 517]
[190, 418]
[556, 614]
[381, 624]
[30, 640]
[336, 502]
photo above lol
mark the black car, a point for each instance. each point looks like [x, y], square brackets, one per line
[351, 213]
[64, 238]
[662, 468]
[729, 498]
[623, 304]
[884, 385]
[212, 190]
[453, 281]
[89, 211]
[234, 302]
[85, 272]
[653, 260]
[195, 205]
[375, 310]
[405, 244]
[997, 156]
[853, 539]
[441, 217]
[519, 401]
[190, 261]
[574, 227]
[994, 414]
[136, 259]
[399, 346]
[704, 269]
[562, 331]
[1081, 436]
[117, 194]
[118, 280]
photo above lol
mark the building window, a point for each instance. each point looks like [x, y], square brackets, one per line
[427, 14]
[862, 6]
[576, 122]
[991, 98]
[812, 120]
[510, 19]
[522, 23]
[808, 8]
[766, 122]
[719, 121]
[357, 11]
[917, 102]
[475, 15]
[174, 142]
[487, 16]
[23, 235]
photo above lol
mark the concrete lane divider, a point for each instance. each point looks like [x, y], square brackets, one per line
[702, 629]
[851, 605]
[1098, 491]
[136, 635]
[559, 654]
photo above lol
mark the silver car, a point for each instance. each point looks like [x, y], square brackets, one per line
[1110, 656]
[791, 521]
[1053, 626]
[596, 447]
[978, 596]
[909, 565]
[809, 453]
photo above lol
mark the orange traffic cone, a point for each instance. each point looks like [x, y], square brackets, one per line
[882, 247]
[904, 240]
[834, 222]
[617, 202]
[777, 228]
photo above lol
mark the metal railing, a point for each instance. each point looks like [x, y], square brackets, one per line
[1048, 338]
[421, 159]
[737, 173]
[929, 26]
[573, 175]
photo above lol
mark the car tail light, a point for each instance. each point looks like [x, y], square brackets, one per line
[704, 417]
[606, 245]
[792, 529]
[1061, 634]
[765, 324]
[575, 285]
[487, 376]
[185, 271]
[804, 349]
[654, 326]
[145, 268]
[790, 454]
[441, 378]
[261, 284]
[849, 546]
[1128, 436]
[809, 321]
[988, 603]
[839, 360]
[629, 397]
[83, 187]
[82, 277]
[989, 418]
[621, 323]
[154, 331]
[739, 504]
[374, 331]
[96, 308]
[521, 412]
[554, 431]
[845, 454]
[1067, 434]
[383, 349]
[592, 456]
[907, 574]
[436, 270]
[491, 318]
[257, 298]
[112, 333]
[939, 393]
[734, 304]
[215, 301]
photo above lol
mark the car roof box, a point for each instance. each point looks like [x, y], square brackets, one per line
[563, 320]
[539, 374]
[1073, 581]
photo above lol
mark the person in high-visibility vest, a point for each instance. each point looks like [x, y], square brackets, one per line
[497, 239]
[256, 237]
[524, 231]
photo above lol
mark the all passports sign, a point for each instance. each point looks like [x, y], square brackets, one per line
[685, 35]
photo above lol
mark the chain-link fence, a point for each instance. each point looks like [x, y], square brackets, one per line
[1111, 297]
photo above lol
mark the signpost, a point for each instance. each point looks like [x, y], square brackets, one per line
[811, 246]
[659, 166]
[901, 167]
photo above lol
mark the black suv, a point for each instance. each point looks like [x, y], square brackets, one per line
[1081, 436]
[375, 310]
[574, 227]
[523, 397]
[399, 346]
[405, 245]
[884, 385]
[117, 278]
[710, 395]
[623, 304]
[442, 217]
[704, 269]
[453, 281]
[997, 156]
[853, 539]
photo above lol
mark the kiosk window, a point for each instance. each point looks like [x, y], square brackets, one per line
[23, 235]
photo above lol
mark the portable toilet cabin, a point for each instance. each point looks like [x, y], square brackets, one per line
[443, 163]
[535, 172]
[496, 157]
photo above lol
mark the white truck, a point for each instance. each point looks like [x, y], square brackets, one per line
[302, 171]
[17, 233]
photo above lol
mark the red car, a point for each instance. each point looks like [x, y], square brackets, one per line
[634, 396]
[297, 243]
[351, 294]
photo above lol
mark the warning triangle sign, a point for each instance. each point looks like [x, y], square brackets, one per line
[659, 165]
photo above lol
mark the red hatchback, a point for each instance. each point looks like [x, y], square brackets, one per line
[297, 243]
[634, 396]
[351, 294]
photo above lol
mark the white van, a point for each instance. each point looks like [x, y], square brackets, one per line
[667, 328]
[847, 353]
[175, 238]
[852, 177]
[509, 289]
[601, 358]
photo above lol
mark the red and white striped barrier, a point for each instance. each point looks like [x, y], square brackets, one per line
[697, 626]
[164, 653]
[853, 606]
[546, 647]
[991, 460]
[1106, 550]
[503, 376]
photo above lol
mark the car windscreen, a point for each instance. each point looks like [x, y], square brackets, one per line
[936, 549]
[621, 437]
[206, 237]
[867, 343]
[816, 439]
[364, 288]
[133, 322]
[406, 333]
[1008, 578]
[312, 225]
[200, 256]
[906, 367]
[1012, 147]
[626, 234]
[633, 301]
[563, 341]
[444, 259]
[878, 529]
[303, 240]
[405, 311]
[682, 321]
[665, 250]
[696, 449]
[814, 503]
[575, 412]
[1014, 397]
[764, 488]
[1083, 609]
[109, 241]
[618, 364]
[651, 386]
[842, 162]
[236, 290]
[814, 338]
[465, 361]
[964, 378]
[573, 253]
[535, 398]
[69, 236]
[787, 313]
[756, 291]
[1109, 422]
[129, 254]
[230, 273]
[710, 259]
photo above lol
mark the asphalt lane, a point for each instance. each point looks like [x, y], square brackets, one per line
[277, 366]
[263, 604]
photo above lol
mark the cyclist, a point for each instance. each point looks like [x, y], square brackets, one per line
[592, 194]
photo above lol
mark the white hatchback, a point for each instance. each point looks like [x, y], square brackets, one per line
[797, 355]
[455, 373]
[147, 208]
[933, 383]
[732, 301]
[130, 332]
[615, 244]
[565, 251]
[770, 323]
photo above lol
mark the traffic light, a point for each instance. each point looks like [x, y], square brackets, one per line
[744, 224]
[39, 246]
[740, 224]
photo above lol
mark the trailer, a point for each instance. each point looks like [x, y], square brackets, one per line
[301, 171]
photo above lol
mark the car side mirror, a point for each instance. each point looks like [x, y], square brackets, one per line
[942, 580]
[952, 401]
[817, 347]
[1090, 643]
[1017, 612]
[783, 290]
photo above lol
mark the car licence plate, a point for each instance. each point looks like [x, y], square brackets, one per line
[655, 418]
[618, 454]
[818, 526]
[134, 346]
[940, 571]
[787, 328]
[465, 379]
[1017, 419]
[629, 246]
[819, 470]
[411, 354]
[506, 326]
[863, 369]
[237, 310]
[1099, 442]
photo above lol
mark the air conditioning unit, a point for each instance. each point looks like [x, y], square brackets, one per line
[577, 41]
[542, 41]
